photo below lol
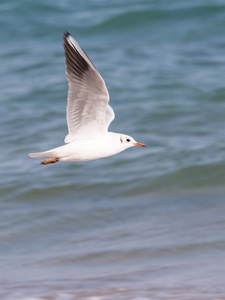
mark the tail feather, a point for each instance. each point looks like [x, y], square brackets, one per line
[41, 154]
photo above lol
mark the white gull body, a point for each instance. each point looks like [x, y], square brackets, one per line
[88, 113]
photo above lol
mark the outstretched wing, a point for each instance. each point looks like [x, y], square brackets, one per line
[87, 97]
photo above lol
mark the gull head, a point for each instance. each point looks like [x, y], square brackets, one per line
[127, 141]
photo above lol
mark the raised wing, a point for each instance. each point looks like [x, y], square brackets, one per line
[87, 97]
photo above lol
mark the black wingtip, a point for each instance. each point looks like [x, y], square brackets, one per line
[66, 34]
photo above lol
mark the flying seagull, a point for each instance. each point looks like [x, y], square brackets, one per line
[88, 113]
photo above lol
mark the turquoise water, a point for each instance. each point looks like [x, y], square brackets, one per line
[147, 223]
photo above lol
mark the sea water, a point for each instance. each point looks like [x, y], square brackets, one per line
[147, 223]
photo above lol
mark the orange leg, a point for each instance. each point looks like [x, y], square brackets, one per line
[49, 161]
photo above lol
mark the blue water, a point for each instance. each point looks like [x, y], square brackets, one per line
[147, 223]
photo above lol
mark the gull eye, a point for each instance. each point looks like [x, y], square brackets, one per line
[128, 140]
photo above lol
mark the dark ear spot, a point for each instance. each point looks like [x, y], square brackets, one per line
[121, 139]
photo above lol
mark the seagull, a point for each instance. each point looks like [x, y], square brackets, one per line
[88, 113]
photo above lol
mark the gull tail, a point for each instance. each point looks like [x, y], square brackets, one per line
[41, 154]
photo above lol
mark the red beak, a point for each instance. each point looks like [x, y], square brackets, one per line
[139, 144]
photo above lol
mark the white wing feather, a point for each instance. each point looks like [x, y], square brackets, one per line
[109, 116]
[88, 112]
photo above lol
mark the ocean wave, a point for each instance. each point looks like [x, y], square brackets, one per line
[192, 179]
[141, 15]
